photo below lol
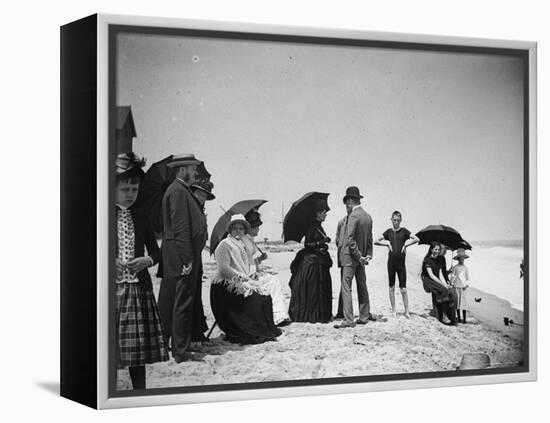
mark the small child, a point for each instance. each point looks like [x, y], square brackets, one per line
[138, 330]
[460, 277]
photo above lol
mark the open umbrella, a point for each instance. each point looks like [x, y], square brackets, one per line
[242, 207]
[153, 186]
[443, 234]
[301, 215]
[465, 244]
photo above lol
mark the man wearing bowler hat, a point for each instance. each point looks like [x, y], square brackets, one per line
[354, 253]
[184, 237]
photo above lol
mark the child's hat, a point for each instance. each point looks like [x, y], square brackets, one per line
[461, 254]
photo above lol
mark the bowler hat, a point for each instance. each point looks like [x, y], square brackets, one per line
[352, 192]
[321, 205]
[183, 160]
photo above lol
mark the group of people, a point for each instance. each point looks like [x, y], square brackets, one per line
[247, 302]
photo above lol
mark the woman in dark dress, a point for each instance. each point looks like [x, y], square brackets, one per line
[310, 283]
[445, 301]
[242, 313]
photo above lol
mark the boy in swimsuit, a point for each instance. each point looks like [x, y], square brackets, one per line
[397, 239]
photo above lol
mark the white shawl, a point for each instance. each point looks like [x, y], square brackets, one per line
[233, 266]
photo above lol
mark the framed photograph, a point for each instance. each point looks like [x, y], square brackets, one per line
[253, 211]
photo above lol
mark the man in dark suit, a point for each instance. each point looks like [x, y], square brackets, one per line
[183, 239]
[354, 253]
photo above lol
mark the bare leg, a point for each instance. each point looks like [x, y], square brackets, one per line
[392, 300]
[405, 302]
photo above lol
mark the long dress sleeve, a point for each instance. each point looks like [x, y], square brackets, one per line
[315, 237]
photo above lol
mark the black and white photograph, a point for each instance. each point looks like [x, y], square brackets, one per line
[295, 210]
[271, 211]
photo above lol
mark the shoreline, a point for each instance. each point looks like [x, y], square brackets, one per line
[493, 315]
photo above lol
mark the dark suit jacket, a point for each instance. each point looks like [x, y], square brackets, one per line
[357, 241]
[144, 238]
[185, 231]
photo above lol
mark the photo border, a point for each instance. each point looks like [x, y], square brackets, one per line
[109, 26]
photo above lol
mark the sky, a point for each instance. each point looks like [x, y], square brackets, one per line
[436, 135]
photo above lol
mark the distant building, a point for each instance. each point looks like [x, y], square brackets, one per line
[125, 129]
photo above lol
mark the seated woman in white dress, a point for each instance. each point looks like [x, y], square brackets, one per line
[268, 284]
[241, 310]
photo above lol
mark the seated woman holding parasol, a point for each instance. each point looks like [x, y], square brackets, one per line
[241, 311]
[445, 300]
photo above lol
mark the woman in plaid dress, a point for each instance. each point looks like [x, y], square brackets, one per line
[138, 329]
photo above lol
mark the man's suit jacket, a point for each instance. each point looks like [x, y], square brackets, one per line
[339, 239]
[185, 231]
[357, 241]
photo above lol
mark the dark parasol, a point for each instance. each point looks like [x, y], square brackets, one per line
[153, 186]
[443, 234]
[301, 215]
[242, 207]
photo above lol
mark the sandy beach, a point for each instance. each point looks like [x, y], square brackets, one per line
[388, 346]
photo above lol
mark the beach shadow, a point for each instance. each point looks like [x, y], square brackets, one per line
[218, 346]
[51, 387]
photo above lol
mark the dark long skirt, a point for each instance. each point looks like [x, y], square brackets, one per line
[311, 290]
[443, 298]
[244, 320]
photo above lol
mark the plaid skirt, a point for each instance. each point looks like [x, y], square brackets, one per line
[138, 329]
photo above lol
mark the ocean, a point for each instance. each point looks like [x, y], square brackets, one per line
[496, 269]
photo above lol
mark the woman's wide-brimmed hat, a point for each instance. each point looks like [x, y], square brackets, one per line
[238, 218]
[205, 186]
[253, 218]
[321, 205]
[129, 163]
[352, 192]
[183, 160]
[461, 254]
